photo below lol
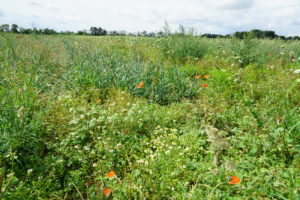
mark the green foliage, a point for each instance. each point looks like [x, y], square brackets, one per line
[245, 51]
[161, 85]
[71, 111]
[182, 48]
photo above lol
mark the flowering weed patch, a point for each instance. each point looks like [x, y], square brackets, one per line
[148, 118]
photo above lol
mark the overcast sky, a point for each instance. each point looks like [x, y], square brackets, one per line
[206, 16]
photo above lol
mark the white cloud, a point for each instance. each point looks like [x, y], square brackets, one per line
[215, 16]
[1, 14]
[233, 4]
[34, 3]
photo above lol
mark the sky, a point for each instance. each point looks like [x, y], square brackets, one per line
[205, 16]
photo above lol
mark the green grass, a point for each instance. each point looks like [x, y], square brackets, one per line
[169, 139]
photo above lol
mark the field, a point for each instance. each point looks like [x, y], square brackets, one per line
[178, 117]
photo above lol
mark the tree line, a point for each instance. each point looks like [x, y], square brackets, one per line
[95, 31]
[262, 35]
[98, 31]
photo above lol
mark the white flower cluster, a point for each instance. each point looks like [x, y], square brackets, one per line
[162, 143]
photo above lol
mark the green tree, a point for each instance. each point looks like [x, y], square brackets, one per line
[98, 31]
[240, 35]
[14, 28]
[270, 34]
[82, 32]
[4, 27]
[25, 30]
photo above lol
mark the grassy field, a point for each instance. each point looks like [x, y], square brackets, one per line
[178, 117]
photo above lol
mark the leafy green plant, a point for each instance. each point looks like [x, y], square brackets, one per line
[182, 48]
[245, 52]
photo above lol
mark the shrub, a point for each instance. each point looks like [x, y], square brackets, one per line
[181, 48]
[245, 52]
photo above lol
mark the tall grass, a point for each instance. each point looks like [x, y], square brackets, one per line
[181, 48]
[161, 85]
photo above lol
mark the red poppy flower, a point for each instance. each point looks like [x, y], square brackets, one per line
[140, 85]
[197, 76]
[234, 180]
[110, 174]
[204, 85]
[205, 76]
[106, 192]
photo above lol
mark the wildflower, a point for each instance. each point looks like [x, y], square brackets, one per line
[10, 175]
[106, 192]
[140, 85]
[99, 101]
[270, 53]
[271, 67]
[234, 180]
[205, 76]
[197, 76]
[110, 174]
[119, 144]
[204, 85]
[297, 71]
